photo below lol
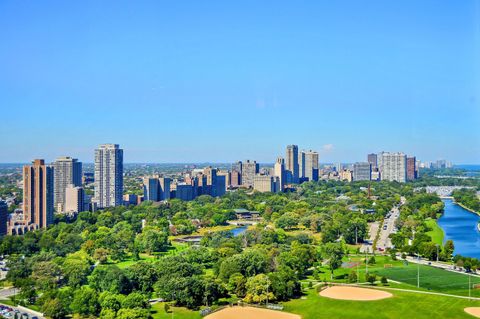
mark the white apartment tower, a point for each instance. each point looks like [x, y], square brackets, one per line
[108, 175]
[279, 171]
[392, 166]
[66, 171]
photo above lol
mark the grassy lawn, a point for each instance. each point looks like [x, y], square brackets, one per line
[432, 279]
[436, 233]
[158, 312]
[173, 250]
[402, 305]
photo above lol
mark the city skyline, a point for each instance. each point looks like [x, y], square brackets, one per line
[223, 81]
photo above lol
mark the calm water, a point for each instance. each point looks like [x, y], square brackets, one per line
[239, 230]
[460, 225]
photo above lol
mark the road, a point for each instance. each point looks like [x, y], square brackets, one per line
[388, 227]
[443, 265]
[372, 232]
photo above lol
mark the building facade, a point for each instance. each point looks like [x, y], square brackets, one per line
[74, 199]
[362, 171]
[3, 217]
[311, 166]
[411, 168]
[392, 166]
[38, 194]
[279, 171]
[108, 175]
[372, 159]
[266, 183]
[291, 164]
[249, 170]
[66, 171]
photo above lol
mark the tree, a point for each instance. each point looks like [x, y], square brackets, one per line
[258, 289]
[101, 255]
[76, 271]
[352, 277]
[135, 300]
[152, 240]
[109, 278]
[448, 249]
[384, 280]
[54, 309]
[371, 278]
[334, 253]
[287, 221]
[85, 301]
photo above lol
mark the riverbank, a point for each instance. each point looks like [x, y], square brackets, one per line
[436, 231]
[466, 208]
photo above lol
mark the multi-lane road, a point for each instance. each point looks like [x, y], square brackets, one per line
[386, 228]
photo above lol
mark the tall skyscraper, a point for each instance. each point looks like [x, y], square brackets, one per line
[66, 171]
[74, 199]
[301, 165]
[3, 217]
[362, 171]
[249, 170]
[372, 159]
[109, 175]
[165, 187]
[291, 164]
[279, 171]
[38, 193]
[238, 168]
[311, 165]
[392, 166]
[411, 168]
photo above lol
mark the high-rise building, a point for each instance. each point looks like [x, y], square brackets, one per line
[372, 159]
[249, 170]
[301, 165]
[362, 171]
[311, 166]
[236, 179]
[156, 188]
[74, 199]
[3, 217]
[392, 166]
[38, 193]
[184, 192]
[211, 174]
[238, 168]
[291, 164]
[66, 171]
[266, 183]
[411, 168]
[228, 177]
[108, 175]
[279, 171]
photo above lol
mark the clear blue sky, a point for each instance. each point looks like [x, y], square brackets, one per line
[191, 81]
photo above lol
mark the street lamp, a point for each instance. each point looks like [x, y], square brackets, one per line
[437, 251]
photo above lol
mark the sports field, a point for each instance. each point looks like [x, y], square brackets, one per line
[401, 305]
[432, 279]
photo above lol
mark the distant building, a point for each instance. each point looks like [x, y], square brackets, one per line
[108, 176]
[311, 166]
[372, 159]
[3, 217]
[411, 168]
[67, 171]
[130, 199]
[228, 178]
[279, 171]
[346, 175]
[375, 174]
[291, 164]
[301, 165]
[266, 183]
[184, 192]
[38, 194]
[392, 166]
[236, 179]
[156, 188]
[249, 170]
[362, 171]
[74, 199]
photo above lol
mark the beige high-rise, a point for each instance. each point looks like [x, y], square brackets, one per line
[38, 193]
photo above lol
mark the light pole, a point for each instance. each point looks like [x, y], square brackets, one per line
[437, 252]
[469, 287]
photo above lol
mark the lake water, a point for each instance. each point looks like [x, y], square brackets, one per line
[460, 225]
[239, 230]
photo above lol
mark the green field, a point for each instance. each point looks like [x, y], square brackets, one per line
[402, 305]
[158, 312]
[432, 279]
[436, 233]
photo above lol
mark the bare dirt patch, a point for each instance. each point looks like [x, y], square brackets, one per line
[354, 293]
[474, 311]
[250, 313]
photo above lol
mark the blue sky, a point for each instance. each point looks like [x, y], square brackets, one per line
[192, 81]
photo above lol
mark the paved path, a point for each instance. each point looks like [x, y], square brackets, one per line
[372, 232]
